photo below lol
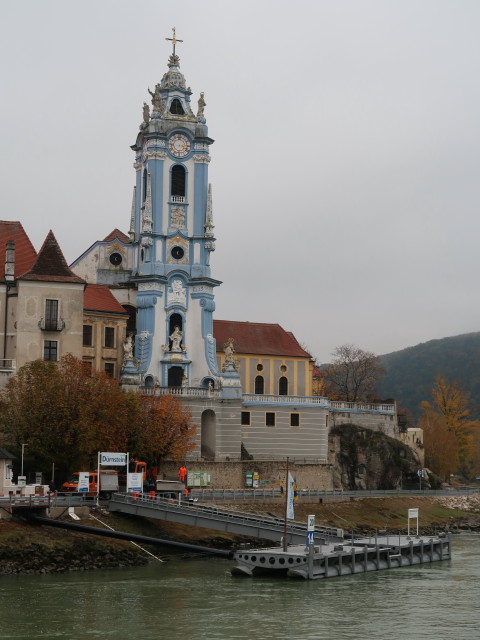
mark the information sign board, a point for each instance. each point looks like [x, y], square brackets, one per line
[83, 481]
[107, 458]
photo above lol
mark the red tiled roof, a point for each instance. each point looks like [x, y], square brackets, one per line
[25, 254]
[99, 298]
[50, 265]
[258, 338]
[116, 234]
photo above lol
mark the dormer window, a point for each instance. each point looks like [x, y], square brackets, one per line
[176, 108]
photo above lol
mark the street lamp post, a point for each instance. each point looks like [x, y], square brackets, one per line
[23, 451]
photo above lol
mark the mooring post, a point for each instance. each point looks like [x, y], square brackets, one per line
[311, 553]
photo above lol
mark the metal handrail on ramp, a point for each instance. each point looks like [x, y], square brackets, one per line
[196, 515]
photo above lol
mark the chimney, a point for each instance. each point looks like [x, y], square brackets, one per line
[10, 261]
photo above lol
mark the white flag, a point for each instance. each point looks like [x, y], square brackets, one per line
[290, 496]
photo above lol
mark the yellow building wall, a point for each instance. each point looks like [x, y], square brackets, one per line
[98, 354]
[298, 371]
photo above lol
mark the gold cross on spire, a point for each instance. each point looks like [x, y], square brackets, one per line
[174, 40]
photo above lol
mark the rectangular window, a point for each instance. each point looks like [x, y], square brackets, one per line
[50, 350]
[110, 337]
[110, 369]
[87, 335]
[294, 419]
[87, 366]
[51, 315]
[245, 418]
[270, 419]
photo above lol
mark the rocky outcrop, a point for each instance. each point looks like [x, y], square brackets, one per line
[365, 459]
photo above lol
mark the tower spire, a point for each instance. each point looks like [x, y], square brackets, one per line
[173, 40]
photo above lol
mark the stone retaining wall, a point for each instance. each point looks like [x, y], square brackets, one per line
[231, 476]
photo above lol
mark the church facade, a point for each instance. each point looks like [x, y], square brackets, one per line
[253, 391]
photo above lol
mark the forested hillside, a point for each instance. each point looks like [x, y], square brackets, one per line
[411, 372]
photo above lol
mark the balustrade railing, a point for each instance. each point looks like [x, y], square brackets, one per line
[254, 398]
[200, 392]
[361, 406]
[271, 399]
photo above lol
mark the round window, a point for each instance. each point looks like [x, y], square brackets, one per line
[177, 253]
[115, 259]
[259, 367]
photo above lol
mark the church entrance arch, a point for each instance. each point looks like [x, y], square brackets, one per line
[208, 435]
[175, 376]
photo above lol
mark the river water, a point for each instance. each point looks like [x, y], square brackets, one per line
[199, 599]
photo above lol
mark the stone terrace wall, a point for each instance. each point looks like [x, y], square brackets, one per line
[385, 423]
[231, 476]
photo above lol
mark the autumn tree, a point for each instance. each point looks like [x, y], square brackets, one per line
[353, 374]
[166, 430]
[451, 435]
[441, 448]
[66, 415]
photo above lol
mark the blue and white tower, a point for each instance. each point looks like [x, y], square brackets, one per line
[172, 235]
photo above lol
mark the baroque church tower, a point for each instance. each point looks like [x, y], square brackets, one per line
[172, 237]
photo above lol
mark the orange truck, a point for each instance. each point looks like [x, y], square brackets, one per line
[110, 481]
[108, 484]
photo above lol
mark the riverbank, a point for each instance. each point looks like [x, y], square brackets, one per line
[28, 548]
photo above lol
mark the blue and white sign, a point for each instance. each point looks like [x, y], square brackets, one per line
[290, 496]
[421, 473]
[113, 459]
[83, 481]
[135, 482]
[310, 530]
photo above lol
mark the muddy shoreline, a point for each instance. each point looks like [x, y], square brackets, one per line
[36, 549]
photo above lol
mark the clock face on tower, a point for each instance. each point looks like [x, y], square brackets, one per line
[179, 145]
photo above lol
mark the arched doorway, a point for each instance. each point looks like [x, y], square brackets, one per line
[208, 435]
[175, 376]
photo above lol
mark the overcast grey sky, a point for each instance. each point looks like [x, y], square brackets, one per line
[346, 164]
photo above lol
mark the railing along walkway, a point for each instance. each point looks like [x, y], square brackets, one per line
[221, 520]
